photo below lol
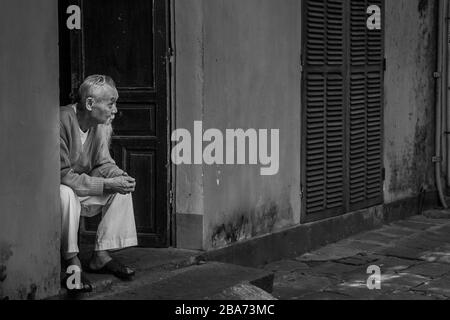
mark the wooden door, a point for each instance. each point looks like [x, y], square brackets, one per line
[127, 40]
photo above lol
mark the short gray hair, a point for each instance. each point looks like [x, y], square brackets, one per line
[93, 82]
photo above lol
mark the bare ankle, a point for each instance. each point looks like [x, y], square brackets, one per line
[101, 255]
[100, 259]
[74, 261]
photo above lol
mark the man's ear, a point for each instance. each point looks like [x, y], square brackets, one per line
[89, 104]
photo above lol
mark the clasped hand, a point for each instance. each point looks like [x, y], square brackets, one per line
[123, 184]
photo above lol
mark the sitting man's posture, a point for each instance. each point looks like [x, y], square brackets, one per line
[91, 183]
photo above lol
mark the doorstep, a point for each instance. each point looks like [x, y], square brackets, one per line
[204, 281]
[174, 274]
[142, 260]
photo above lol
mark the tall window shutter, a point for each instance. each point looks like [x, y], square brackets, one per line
[325, 122]
[366, 114]
[342, 126]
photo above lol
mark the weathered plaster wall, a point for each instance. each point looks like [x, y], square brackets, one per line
[252, 80]
[188, 29]
[238, 66]
[187, 22]
[409, 97]
[29, 157]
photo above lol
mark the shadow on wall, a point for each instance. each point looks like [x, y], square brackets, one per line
[412, 173]
[5, 254]
[246, 224]
[423, 7]
[412, 169]
[28, 293]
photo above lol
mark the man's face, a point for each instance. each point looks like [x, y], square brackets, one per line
[104, 105]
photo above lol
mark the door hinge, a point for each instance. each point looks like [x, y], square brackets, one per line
[301, 63]
[436, 159]
[383, 174]
[302, 193]
[170, 53]
[384, 64]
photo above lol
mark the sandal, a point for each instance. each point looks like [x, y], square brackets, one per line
[115, 268]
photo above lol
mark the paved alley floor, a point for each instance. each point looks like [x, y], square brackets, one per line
[413, 256]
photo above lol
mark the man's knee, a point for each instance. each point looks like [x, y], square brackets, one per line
[127, 197]
[66, 193]
[124, 200]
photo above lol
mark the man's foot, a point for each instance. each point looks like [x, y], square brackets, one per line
[102, 263]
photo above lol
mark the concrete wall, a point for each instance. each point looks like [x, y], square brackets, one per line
[187, 18]
[238, 67]
[252, 80]
[409, 97]
[29, 144]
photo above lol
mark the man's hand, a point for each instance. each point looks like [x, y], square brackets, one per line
[122, 184]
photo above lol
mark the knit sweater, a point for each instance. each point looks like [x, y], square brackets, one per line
[84, 168]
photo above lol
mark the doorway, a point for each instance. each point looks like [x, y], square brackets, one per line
[129, 41]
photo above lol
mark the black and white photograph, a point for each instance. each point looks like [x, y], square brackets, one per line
[224, 155]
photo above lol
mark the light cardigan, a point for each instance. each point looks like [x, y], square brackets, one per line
[84, 168]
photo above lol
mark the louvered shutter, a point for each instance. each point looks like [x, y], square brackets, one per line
[366, 114]
[342, 127]
[324, 128]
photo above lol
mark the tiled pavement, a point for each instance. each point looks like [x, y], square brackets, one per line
[413, 255]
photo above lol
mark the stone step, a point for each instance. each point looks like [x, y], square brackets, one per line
[144, 261]
[205, 281]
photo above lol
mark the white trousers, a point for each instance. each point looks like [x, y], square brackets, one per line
[117, 229]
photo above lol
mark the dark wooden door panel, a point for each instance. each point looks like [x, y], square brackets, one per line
[143, 161]
[125, 50]
[136, 120]
[127, 40]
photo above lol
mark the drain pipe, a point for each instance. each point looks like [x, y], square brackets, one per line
[442, 38]
[446, 90]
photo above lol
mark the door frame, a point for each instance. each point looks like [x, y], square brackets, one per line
[70, 41]
[171, 115]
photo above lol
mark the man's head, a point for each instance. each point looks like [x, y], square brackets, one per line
[98, 96]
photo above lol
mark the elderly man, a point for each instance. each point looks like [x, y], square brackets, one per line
[91, 183]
